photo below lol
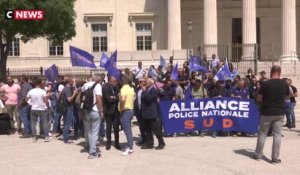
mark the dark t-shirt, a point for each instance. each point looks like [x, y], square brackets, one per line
[293, 100]
[67, 92]
[274, 92]
[25, 88]
[166, 94]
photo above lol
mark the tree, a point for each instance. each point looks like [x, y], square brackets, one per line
[58, 24]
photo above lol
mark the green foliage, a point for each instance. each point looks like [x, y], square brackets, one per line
[58, 25]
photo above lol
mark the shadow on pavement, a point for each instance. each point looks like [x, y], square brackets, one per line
[291, 130]
[250, 153]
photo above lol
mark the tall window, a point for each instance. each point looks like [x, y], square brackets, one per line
[56, 50]
[15, 47]
[143, 36]
[99, 37]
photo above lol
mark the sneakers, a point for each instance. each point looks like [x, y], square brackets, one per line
[94, 156]
[25, 136]
[47, 139]
[275, 161]
[68, 142]
[127, 152]
[256, 157]
[34, 139]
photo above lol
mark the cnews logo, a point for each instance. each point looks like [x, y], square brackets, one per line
[25, 14]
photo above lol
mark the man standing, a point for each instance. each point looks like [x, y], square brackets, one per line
[272, 94]
[110, 93]
[24, 108]
[38, 99]
[93, 118]
[138, 72]
[215, 61]
[57, 116]
[140, 87]
[293, 103]
[68, 96]
[12, 91]
[151, 117]
[127, 97]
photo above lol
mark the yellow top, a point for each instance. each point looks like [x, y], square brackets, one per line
[128, 91]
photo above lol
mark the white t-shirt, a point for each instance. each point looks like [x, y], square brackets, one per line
[60, 88]
[49, 101]
[215, 62]
[138, 73]
[36, 97]
[97, 91]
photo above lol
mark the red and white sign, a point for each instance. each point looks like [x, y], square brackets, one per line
[25, 14]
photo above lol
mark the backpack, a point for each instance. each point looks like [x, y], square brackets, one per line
[87, 98]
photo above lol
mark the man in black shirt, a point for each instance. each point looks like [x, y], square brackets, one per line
[293, 103]
[272, 94]
[110, 93]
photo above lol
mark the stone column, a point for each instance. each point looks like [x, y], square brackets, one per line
[289, 46]
[249, 29]
[210, 28]
[174, 25]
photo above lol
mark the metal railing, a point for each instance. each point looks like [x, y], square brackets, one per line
[234, 52]
[261, 58]
[242, 56]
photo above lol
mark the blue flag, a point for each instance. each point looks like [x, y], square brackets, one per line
[234, 73]
[51, 73]
[224, 73]
[174, 74]
[104, 60]
[194, 66]
[110, 65]
[81, 58]
[113, 58]
[152, 72]
[162, 62]
[113, 71]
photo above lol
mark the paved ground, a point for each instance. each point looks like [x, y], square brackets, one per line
[183, 155]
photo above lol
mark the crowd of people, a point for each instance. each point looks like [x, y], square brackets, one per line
[35, 101]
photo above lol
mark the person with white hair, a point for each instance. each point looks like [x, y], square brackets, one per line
[150, 115]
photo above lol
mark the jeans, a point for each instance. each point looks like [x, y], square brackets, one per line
[102, 129]
[293, 124]
[288, 114]
[24, 114]
[126, 117]
[12, 111]
[67, 123]
[34, 114]
[266, 122]
[92, 125]
[76, 120]
[56, 125]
